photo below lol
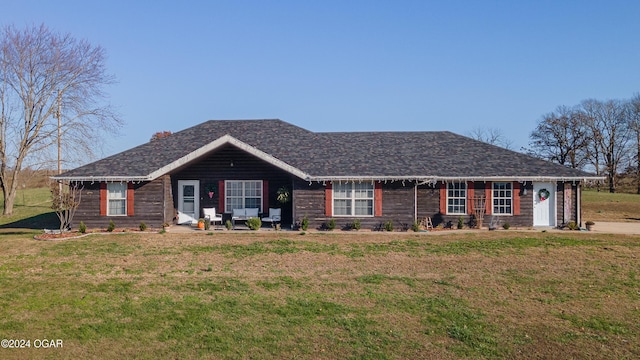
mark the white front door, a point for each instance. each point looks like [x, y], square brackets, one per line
[188, 201]
[544, 208]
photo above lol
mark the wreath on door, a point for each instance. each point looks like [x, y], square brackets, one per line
[543, 194]
[210, 189]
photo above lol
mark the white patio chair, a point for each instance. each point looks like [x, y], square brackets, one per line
[274, 216]
[210, 215]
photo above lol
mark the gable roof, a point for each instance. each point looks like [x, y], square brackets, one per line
[425, 156]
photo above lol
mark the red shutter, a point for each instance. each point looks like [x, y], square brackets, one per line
[220, 197]
[328, 200]
[470, 195]
[103, 199]
[443, 198]
[265, 196]
[130, 199]
[377, 199]
[488, 189]
[516, 198]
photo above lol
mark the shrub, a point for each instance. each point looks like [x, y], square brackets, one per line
[112, 226]
[331, 224]
[355, 225]
[415, 227]
[82, 227]
[388, 225]
[254, 223]
[572, 225]
[143, 226]
[207, 224]
[460, 222]
[506, 226]
[304, 224]
[228, 225]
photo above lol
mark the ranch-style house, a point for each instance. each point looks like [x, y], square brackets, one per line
[374, 177]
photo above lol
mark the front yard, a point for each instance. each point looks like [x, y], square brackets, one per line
[323, 295]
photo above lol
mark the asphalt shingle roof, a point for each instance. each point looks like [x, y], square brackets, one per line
[326, 155]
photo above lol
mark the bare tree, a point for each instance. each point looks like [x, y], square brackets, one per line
[608, 123]
[491, 136]
[634, 124]
[561, 136]
[43, 72]
[66, 202]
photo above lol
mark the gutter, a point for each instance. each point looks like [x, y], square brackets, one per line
[421, 179]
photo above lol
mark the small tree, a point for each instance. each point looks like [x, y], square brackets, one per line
[66, 203]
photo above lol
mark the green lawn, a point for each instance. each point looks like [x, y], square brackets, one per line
[228, 295]
[32, 209]
[324, 295]
[604, 206]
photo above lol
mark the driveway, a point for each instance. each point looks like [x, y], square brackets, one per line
[617, 227]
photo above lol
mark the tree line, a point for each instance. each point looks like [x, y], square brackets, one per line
[595, 135]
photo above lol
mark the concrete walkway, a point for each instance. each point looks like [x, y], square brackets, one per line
[617, 228]
[632, 228]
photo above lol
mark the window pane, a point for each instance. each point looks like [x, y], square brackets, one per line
[117, 198]
[252, 188]
[117, 190]
[188, 206]
[234, 203]
[252, 202]
[241, 194]
[364, 207]
[116, 207]
[353, 199]
[456, 198]
[363, 190]
[234, 188]
[188, 190]
[341, 207]
[342, 191]
[502, 194]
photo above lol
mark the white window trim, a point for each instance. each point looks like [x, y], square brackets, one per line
[494, 198]
[226, 198]
[353, 202]
[466, 195]
[126, 188]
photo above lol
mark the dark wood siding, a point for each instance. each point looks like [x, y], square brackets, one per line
[168, 203]
[525, 219]
[429, 206]
[217, 166]
[397, 206]
[309, 201]
[148, 207]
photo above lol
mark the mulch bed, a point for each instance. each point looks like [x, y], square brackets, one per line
[77, 234]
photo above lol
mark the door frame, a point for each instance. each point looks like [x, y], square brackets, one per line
[196, 201]
[552, 207]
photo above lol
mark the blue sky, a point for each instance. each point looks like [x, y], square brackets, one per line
[351, 65]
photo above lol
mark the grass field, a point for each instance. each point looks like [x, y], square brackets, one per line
[340, 295]
[286, 295]
[32, 209]
[604, 206]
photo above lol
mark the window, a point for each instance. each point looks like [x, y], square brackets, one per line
[116, 199]
[241, 194]
[353, 199]
[457, 198]
[502, 198]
